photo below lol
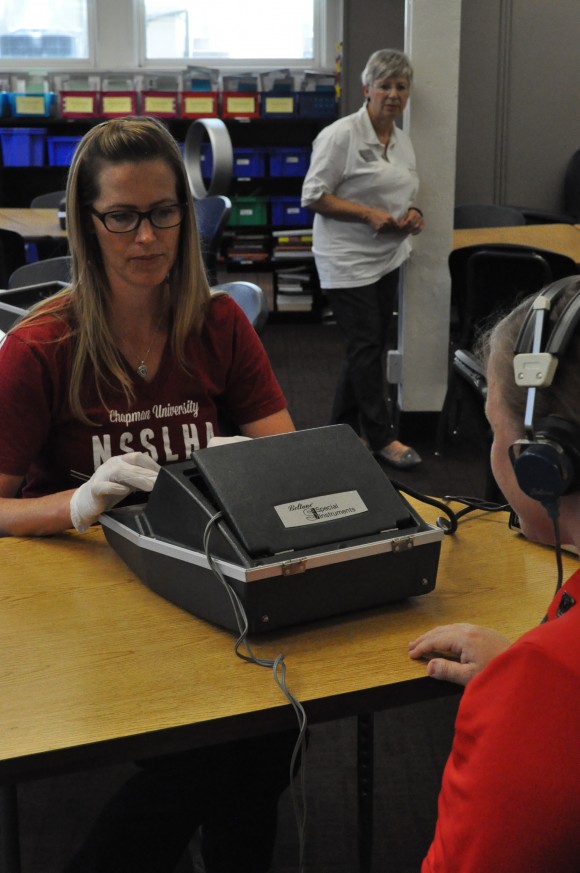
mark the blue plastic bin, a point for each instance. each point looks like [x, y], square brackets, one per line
[289, 162]
[23, 146]
[61, 150]
[287, 212]
[249, 163]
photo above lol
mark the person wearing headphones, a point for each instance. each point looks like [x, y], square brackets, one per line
[510, 797]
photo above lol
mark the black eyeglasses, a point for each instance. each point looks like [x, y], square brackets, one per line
[126, 220]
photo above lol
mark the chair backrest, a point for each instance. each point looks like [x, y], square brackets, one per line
[487, 280]
[12, 254]
[211, 215]
[469, 215]
[48, 270]
[9, 315]
[250, 298]
[48, 201]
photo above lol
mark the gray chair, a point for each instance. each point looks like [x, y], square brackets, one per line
[26, 296]
[250, 298]
[49, 248]
[48, 270]
[9, 315]
[211, 215]
[12, 254]
[470, 215]
[52, 200]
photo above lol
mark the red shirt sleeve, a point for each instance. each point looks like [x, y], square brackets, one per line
[510, 797]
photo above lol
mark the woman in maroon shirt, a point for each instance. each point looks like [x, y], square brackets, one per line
[125, 369]
[120, 373]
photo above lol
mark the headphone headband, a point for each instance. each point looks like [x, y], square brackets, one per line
[547, 462]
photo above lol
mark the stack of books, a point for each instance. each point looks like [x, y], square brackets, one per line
[247, 249]
[293, 289]
[292, 243]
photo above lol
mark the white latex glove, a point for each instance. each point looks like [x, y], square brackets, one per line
[109, 484]
[222, 441]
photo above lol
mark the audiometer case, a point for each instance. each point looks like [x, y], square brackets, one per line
[308, 526]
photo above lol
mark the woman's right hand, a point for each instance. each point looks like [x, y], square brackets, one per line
[109, 484]
[457, 652]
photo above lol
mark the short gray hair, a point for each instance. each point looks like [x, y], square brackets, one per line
[386, 64]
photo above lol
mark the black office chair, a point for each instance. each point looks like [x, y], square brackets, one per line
[469, 215]
[48, 270]
[12, 254]
[491, 277]
[251, 299]
[211, 215]
[487, 281]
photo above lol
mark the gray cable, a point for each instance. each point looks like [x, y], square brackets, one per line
[278, 667]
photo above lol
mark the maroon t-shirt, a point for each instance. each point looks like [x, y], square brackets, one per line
[170, 417]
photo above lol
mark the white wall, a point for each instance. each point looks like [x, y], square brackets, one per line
[432, 36]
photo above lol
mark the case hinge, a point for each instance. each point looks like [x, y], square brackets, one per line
[292, 568]
[403, 544]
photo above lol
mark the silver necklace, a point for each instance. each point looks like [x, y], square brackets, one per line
[142, 368]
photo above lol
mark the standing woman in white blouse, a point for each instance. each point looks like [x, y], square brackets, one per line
[361, 184]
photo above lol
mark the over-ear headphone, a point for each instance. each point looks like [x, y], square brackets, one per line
[547, 462]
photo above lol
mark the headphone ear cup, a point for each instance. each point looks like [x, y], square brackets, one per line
[543, 471]
[549, 466]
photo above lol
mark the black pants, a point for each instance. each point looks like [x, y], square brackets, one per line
[363, 316]
[231, 790]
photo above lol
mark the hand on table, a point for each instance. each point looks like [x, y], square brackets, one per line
[457, 652]
[109, 484]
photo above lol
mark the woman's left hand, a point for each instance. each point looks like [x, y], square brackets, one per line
[412, 222]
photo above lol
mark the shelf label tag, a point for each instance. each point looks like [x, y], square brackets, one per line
[160, 104]
[30, 105]
[121, 104]
[280, 105]
[200, 105]
[241, 104]
[84, 104]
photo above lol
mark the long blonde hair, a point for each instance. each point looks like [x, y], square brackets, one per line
[85, 304]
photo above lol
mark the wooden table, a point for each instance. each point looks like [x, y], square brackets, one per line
[32, 224]
[561, 238]
[95, 668]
